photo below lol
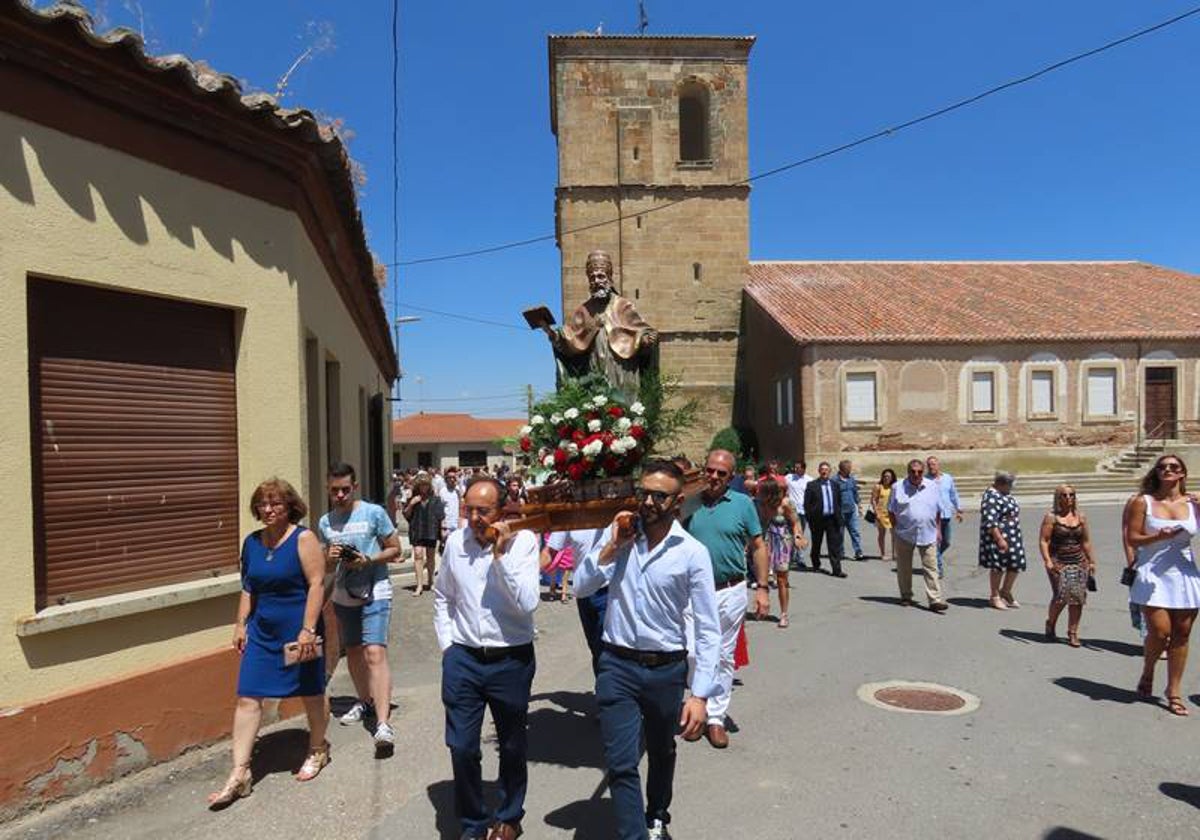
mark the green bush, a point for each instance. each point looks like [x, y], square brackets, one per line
[727, 438]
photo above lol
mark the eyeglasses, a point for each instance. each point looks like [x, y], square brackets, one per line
[272, 504]
[1068, 495]
[1170, 468]
[717, 472]
[659, 497]
[481, 510]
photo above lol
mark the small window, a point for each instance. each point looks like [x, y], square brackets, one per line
[779, 402]
[1041, 393]
[983, 394]
[424, 459]
[859, 398]
[787, 392]
[1102, 392]
[472, 457]
[693, 123]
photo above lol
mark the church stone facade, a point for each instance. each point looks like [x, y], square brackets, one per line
[644, 122]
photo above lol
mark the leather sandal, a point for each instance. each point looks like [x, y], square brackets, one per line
[1176, 706]
[1073, 638]
[318, 757]
[239, 784]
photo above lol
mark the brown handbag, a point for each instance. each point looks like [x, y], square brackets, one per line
[292, 655]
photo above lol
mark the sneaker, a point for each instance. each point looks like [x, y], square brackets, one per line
[356, 713]
[385, 740]
[657, 830]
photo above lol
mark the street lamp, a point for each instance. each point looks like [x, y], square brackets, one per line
[403, 319]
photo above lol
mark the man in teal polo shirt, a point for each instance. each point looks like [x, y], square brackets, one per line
[726, 523]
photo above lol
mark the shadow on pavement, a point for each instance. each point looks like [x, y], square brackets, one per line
[1029, 637]
[568, 735]
[975, 603]
[441, 796]
[1097, 691]
[893, 600]
[591, 819]
[1184, 793]
[1061, 833]
[282, 751]
[1123, 648]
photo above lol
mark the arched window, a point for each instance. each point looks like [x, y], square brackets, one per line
[693, 123]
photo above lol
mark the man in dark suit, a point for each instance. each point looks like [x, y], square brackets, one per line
[822, 507]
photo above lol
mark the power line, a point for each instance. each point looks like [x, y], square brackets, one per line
[471, 318]
[514, 395]
[835, 150]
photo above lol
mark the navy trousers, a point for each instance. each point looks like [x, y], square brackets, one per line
[468, 684]
[591, 616]
[633, 699]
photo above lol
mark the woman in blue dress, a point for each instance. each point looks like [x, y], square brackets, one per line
[283, 570]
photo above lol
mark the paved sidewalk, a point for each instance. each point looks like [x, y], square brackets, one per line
[1058, 749]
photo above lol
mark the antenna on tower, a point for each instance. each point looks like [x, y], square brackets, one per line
[643, 21]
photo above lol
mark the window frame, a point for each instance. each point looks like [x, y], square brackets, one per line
[844, 392]
[1090, 368]
[992, 414]
[1055, 409]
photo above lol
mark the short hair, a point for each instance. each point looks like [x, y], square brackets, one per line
[484, 478]
[800, 464]
[1004, 477]
[822, 464]
[664, 468]
[916, 461]
[845, 462]
[422, 480]
[340, 469]
[277, 487]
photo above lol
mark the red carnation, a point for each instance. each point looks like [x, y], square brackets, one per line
[611, 465]
[578, 436]
[608, 438]
[576, 471]
[592, 415]
[616, 411]
[637, 432]
[560, 458]
[526, 444]
[564, 431]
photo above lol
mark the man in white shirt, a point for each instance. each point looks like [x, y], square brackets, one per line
[451, 502]
[654, 572]
[914, 505]
[797, 483]
[484, 598]
[581, 541]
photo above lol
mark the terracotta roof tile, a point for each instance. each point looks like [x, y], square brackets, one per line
[967, 302]
[453, 428]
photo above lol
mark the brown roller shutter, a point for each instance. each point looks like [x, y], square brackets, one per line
[135, 440]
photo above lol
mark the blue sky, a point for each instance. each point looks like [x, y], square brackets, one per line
[1097, 161]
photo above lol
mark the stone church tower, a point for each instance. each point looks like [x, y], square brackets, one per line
[643, 122]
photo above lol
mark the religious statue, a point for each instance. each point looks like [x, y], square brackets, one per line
[605, 334]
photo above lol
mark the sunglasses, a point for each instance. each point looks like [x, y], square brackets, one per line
[717, 472]
[660, 497]
[1170, 468]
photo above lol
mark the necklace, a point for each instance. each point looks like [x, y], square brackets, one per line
[271, 548]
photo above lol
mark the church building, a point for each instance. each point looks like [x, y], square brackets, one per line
[1057, 363]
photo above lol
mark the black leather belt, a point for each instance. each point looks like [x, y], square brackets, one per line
[649, 658]
[492, 654]
[733, 581]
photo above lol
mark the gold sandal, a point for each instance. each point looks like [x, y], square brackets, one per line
[318, 757]
[237, 786]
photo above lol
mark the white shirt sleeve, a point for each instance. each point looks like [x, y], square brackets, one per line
[707, 624]
[443, 595]
[590, 577]
[519, 570]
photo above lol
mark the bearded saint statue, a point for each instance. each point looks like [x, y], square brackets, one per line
[605, 334]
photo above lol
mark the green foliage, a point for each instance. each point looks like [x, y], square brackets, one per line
[668, 417]
[728, 438]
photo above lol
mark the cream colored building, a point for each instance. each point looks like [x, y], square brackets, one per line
[187, 307]
[440, 440]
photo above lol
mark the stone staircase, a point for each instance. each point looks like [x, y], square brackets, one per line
[1133, 461]
[1093, 486]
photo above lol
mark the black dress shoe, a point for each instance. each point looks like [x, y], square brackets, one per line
[839, 574]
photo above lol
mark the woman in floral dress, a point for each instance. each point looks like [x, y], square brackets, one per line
[1001, 548]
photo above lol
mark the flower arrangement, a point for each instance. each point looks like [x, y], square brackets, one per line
[586, 431]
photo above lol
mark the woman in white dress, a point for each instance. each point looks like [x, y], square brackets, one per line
[1161, 525]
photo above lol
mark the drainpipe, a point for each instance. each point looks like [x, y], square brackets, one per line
[1138, 437]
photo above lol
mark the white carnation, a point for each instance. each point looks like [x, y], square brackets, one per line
[623, 424]
[625, 443]
[594, 448]
[526, 430]
[548, 461]
[555, 419]
[537, 420]
[573, 448]
[571, 413]
[600, 399]
[565, 444]
[637, 408]
[593, 425]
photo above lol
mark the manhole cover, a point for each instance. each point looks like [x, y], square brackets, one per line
[918, 697]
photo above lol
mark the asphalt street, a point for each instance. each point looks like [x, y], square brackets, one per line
[1059, 747]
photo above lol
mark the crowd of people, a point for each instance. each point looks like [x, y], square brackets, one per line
[662, 596]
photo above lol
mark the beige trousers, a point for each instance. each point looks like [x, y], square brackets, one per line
[904, 569]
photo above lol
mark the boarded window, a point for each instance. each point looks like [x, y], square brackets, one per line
[472, 457]
[860, 398]
[134, 422]
[1102, 392]
[1041, 392]
[983, 392]
[693, 123]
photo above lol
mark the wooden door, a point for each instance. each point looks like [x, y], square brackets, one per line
[1160, 419]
